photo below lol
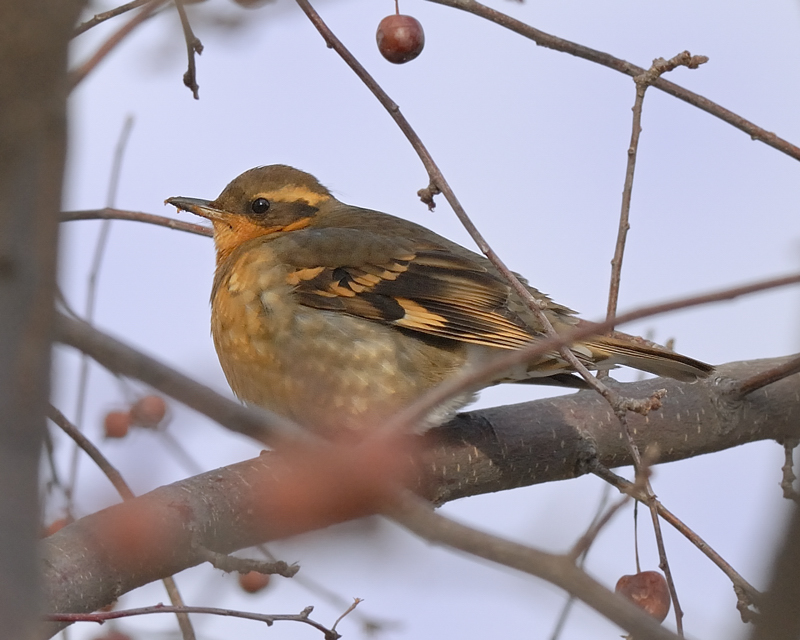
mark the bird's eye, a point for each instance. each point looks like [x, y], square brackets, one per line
[259, 206]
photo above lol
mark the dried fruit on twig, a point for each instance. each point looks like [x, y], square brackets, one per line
[116, 424]
[149, 411]
[400, 38]
[253, 581]
[648, 590]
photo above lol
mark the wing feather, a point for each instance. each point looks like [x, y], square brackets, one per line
[434, 292]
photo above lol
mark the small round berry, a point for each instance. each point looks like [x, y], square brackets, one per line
[116, 424]
[253, 581]
[647, 590]
[400, 38]
[149, 411]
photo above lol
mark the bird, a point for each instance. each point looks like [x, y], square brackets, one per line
[337, 316]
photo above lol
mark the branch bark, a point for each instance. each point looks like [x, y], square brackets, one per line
[560, 438]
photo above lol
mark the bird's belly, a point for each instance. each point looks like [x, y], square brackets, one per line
[329, 371]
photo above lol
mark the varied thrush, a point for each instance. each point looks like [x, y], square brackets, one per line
[338, 316]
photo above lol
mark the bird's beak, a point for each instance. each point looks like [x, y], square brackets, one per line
[196, 206]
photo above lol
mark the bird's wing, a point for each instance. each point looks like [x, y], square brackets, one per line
[421, 288]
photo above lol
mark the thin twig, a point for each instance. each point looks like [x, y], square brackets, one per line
[269, 619]
[636, 535]
[587, 539]
[175, 597]
[230, 564]
[628, 487]
[110, 213]
[116, 479]
[106, 15]
[77, 75]
[559, 44]
[624, 214]
[191, 465]
[350, 609]
[768, 377]
[642, 471]
[419, 517]
[193, 46]
[370, 624]
[91, 294]
[642, 82]
[581, 561]
[114, 476]
[663, 561]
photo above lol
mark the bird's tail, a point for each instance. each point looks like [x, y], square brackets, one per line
[631, 351]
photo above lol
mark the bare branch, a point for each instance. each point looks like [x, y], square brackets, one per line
[559, 44]
[136, 216]
[107, 15]
[419, 517]
[269, 619]
[77, 75]
[642, 81]
[752, 594]
[193, 46]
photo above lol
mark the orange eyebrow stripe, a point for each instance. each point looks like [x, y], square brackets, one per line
[293, 193]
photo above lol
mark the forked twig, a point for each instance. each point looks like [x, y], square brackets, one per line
[77, 75]
[642, 81]
[419, 517]
[107, 15]
[269, 619]
[628, 487]
[193, 46]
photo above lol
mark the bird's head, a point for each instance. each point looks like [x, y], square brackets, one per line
[259, 202]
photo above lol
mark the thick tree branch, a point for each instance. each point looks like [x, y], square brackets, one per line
[559, 438]
[480, 452]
